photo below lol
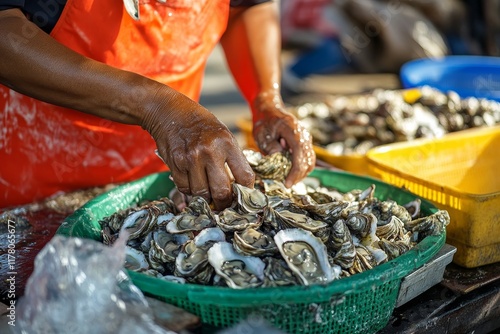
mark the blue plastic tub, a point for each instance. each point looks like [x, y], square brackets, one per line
[477, 76]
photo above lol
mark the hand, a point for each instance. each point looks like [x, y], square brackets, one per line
[197, 148]
[275, 130]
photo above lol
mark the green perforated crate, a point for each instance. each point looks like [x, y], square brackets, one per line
[361, 303]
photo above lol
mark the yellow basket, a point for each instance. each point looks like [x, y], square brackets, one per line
[354, 163]
[458, 173]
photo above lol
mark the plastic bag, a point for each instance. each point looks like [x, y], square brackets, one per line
[78, 286]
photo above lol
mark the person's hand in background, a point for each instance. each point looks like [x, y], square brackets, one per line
[276, 130]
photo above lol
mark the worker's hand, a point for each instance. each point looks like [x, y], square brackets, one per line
[276, 130]
[196, 146]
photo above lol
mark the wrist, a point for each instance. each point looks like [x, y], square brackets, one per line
[266, 101]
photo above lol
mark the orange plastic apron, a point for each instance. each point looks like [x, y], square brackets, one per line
[45, 149]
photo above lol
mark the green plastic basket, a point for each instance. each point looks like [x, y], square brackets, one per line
[362, 303]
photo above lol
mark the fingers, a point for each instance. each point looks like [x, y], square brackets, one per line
[284, 132]
[242, 172]
[211, 175]
[303, 156]
[219, 187]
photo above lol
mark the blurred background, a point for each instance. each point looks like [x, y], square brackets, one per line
[355, 46]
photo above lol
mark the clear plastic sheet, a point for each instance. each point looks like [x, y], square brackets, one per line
[79, 286]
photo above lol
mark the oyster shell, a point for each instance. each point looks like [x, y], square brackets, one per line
[195, 217]
[340, 245]
[384, 210]
[277, 273]
[393, 249]
[306, 256]
[254, 242]
[392, 231]
[275, 166]
[192, 260]
[364, 227]
[230, 220]
[249, 200]
[135, 260]
[140, 223]
[429, 225]
[237, 270]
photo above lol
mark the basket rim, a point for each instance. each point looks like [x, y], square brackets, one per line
[395, 269]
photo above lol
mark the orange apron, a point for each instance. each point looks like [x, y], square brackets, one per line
[45, 149]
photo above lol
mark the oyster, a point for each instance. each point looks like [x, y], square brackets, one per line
[108, 237]
[195, 217]
[115, 221]
[249, 200]
[413, 208]
[208, 235]
[429, 225]
[275, 188]
[230, 220]
[393, 249]
[306, 256]
[340, 245]
[384, 210]
[392, 231]
[164, 247]
[358, 195]
[140, 223]
[135, 260]
[237, 270]
[364, 227]
[277, 273]
[327, 211]
[254, 242]
[363, 261]
[192, 261]
[275, 166]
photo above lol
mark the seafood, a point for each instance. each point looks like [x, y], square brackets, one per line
[195, 217]
[230, 220]
[270, 236]
[249, 200]
[353, 125]
[135, 260]
[275, 166]
[237, 270]
[254, 242]
[306, 255]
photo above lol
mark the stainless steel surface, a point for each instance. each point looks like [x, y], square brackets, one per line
[426, 276]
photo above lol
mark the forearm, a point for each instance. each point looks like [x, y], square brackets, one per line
[252, 46]
[35, 64]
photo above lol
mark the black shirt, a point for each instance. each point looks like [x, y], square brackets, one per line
[45, 13]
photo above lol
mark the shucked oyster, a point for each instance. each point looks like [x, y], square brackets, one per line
[237, 270]
[192, 261]
[229, 220]
[306, 255]
[277, 273]
[254, 242]
[249, 200]
[195, 217]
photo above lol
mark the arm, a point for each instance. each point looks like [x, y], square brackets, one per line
[252, 47]
[35, 64]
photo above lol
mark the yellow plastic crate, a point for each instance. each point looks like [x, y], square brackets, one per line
[354, 163]
[458, 173]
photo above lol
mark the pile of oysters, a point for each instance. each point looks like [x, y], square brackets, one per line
[354, 124]
[271, 235]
